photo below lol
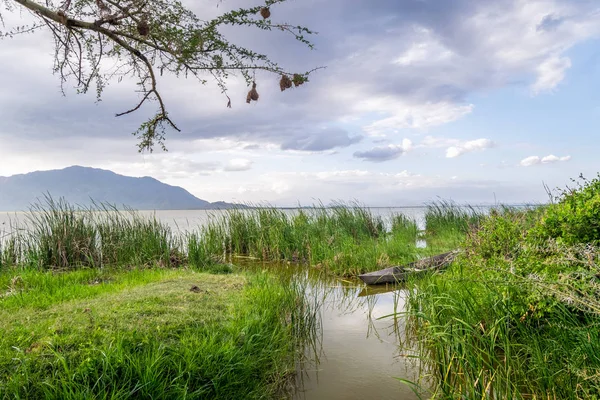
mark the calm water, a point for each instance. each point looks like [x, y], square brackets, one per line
[187, 220]
[357, 355]
[360, 355]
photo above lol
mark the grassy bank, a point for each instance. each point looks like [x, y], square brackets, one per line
[110, 304]
[147, 333]
[517, 316]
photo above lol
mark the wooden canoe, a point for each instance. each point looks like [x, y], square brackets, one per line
[400, 273]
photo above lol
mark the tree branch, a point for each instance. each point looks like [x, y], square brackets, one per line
[171, 38]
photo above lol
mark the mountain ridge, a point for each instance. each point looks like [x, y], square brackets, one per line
[84, 186]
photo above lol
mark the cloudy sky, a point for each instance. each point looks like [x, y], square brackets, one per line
[472, 100]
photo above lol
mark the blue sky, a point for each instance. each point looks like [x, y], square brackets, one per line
[477, 101]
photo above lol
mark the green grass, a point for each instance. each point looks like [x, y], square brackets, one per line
[345, 240]
[142, 333]
[96, 304]
[58, 235]
[517, 315]
[405, 228]
[448, 223]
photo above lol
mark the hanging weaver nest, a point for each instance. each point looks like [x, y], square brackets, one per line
[298, 80]
[285, 82]
[62, 16]
[252, 94]
[143, 28]
[265, 12]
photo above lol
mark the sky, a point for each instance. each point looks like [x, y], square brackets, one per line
[476, 101]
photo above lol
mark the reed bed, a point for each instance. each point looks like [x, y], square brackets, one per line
[59, 236]
[446, 216]
[345, 240]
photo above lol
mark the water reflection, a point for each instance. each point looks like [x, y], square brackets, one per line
[356, 352]
[360, 351]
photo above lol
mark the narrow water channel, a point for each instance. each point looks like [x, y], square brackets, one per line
[360, 348]
[360, 353]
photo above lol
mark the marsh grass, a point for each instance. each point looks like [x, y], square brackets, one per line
[516, 316]
[404, 227]
[478, 339]
[445, 216]
[344, 240]
[96, 303]
[144, 334]
[58, 235]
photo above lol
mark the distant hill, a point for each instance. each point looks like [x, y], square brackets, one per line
[78, 185]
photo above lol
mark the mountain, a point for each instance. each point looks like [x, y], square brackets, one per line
[78, 185]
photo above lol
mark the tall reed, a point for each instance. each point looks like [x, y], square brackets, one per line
[446, 216]
[344, 239]
[59, 235]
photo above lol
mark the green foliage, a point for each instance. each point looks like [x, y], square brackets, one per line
[404, 227]
[502, 233]
[576, 216]
[446, 217]
[345, 239]
[57, 235]
[479, 339]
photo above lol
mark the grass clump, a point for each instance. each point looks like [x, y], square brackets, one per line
[151, 333]
[517, 315]
[343, 239]
[447, 221]
[59, 236]
[404, 227]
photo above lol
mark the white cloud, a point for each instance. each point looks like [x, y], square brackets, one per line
[341, 175]
[494, 44]
[529, 161]
[404, 114]
[550, 73]
[426, 51]
[469, 146]
[238, 164]
[549, 159]
[552, 158]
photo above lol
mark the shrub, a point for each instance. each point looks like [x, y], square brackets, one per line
[575, 218]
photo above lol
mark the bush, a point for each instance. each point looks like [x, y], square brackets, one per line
[575, 218]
